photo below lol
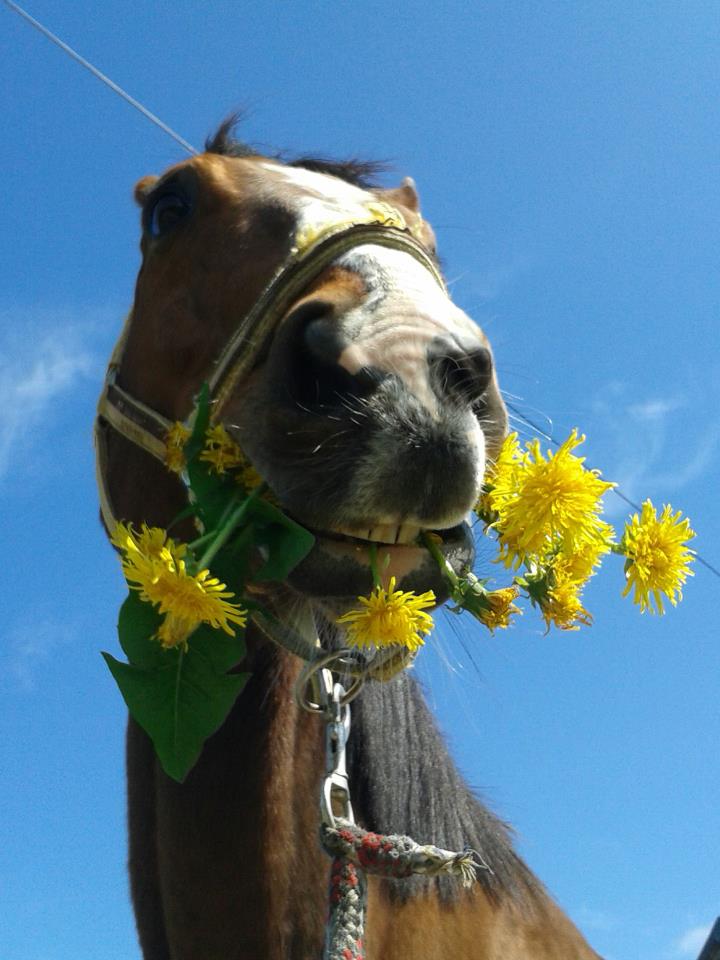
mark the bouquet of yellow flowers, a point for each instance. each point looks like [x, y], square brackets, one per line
[182, 625]
[545, 512]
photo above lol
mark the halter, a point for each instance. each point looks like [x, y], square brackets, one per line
[314, 249]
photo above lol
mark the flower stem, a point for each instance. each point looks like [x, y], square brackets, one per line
[373, 551]
[224, 532]
[430, 543]
[201, 541]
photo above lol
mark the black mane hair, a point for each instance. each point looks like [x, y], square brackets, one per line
[361, 173]
[403, 780]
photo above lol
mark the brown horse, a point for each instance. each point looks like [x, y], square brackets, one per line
[369, 403]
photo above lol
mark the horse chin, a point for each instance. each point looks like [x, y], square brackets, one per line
[337, 571]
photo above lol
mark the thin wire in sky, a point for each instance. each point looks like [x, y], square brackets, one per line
[102, 77]
[66, 48]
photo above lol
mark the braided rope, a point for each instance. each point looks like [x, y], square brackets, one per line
[356, 852]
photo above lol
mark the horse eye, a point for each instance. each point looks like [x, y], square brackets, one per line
[165, 213]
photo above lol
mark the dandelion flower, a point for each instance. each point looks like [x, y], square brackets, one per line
[220, 450]
[154, 565]
[501, 477]
[546, 501]
[175, 440]
[175, 632]
[501, 608]
[248, 477]
[658, 558]
[390, 617]
[579, 565]
[563, 607]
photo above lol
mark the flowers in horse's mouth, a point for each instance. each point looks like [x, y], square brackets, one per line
[544, 503]
[545, 510]
[389, 617]
[563, 607]
[181, 627]
[155, 566]
[658, 559]
[500, 608]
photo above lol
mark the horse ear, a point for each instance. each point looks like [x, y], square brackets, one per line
[142, 188]
[406, 195]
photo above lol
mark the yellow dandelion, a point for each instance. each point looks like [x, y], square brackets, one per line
[658, 559]
[201, 598]
[547, 501]
[579, 565]
[248, 477]
[154, 565]
[175, 440]
[220, 450]
[175, 632]
[141, 550]
[501, 608]
[390, 617]
[501, 476]
[563, 607]
[482, 506]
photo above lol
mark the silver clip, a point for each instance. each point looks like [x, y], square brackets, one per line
[335, 799]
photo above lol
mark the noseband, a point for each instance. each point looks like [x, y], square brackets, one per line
[311, 253]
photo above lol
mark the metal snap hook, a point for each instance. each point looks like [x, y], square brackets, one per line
[335, 661]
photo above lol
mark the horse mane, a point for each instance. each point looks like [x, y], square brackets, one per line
[361, 173]
[404, 781]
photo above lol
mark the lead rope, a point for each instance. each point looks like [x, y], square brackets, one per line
[355, 852]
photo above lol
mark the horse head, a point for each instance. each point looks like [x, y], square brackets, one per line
[362, 394]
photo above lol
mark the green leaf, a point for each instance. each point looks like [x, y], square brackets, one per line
[286, 542]
[181, 703]
[232, 563]
[220, 649]
[138, 622]
[213, 492]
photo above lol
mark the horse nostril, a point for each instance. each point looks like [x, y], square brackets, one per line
[459, 370]
[320, 379]
[322, 340]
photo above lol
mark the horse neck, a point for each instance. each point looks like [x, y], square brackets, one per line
[238, 870]
[239, 836]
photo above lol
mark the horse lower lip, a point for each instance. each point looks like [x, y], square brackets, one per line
[339, 569]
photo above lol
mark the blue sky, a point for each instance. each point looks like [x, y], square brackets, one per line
[567, 155]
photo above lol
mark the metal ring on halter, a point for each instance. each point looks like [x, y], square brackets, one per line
[307, 675]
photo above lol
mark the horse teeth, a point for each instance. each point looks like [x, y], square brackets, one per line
[389, 533]
[356, 534]
[408, 533]
[384, 533]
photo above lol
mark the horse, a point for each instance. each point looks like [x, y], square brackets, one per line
[370, 404]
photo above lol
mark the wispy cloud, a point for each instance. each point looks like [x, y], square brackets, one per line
[691, 942]
[590, 918]
[29, 647]
[489, 277]
[659, 444]
[42, 359]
